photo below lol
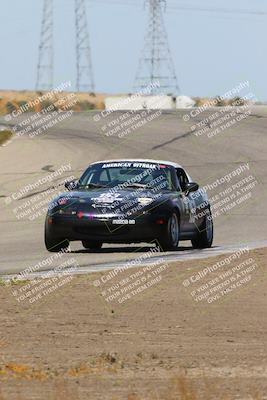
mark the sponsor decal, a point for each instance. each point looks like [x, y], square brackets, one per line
[107, 198]
[130, 165]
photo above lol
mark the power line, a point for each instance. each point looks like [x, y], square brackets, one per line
[219, 10]
[177, 6]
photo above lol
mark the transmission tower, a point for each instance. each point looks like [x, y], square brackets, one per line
[85, 79]
[156, 63]
[46, 52]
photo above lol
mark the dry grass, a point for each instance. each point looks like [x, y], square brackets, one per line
[8, 283]
[105, 362]
[64, 391]
[181, 386]
[21, 371]
[5, 136]
[12, 100]
[237, 101]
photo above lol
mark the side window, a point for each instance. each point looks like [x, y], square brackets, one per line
[182, 177]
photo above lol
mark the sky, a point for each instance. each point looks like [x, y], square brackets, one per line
[212, 52]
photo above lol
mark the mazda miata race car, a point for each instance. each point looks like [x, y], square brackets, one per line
[130, 201]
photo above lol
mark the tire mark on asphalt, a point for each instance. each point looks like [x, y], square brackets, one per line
[172, 140]
[48, 168]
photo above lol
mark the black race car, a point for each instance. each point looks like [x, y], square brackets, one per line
[130, 201]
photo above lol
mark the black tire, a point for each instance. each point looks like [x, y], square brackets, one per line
[92, 244]
[170, 238]
[204, 239]
[53, 244]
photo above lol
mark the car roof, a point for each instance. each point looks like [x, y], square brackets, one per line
[170, 163]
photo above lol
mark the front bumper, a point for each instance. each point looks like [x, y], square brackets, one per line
[108, 229]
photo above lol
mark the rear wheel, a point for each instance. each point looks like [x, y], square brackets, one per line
[170, 238]
[204, 238]
[92, 244]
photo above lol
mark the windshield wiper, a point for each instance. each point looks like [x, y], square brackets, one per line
[91, 185]
[136, 185]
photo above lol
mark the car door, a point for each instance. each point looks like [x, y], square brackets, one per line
[190, 201]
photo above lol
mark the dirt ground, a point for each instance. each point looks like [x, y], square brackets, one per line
[194, 330]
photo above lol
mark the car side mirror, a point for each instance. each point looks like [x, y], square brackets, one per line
[191, 187]
[70, 185]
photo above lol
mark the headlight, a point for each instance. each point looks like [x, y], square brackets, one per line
[144, 201]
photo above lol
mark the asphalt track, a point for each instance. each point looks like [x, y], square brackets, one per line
[82, 139]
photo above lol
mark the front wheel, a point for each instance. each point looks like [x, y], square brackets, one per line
[92, 244]
[170, 238]
[204, 238]
[54, 245]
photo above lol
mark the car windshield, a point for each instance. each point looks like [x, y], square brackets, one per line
[132, 175]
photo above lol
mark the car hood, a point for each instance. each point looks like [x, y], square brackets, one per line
[108, 196]
[98, 198]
